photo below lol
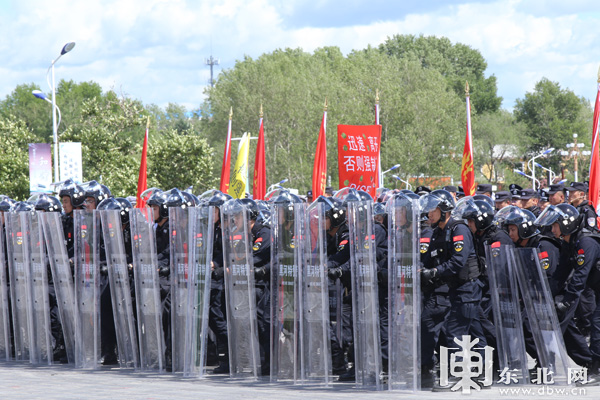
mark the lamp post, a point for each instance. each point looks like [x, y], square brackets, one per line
[391, 169]
[278, 184]
[66, 48]
[41, 95]
[532, 161]
[551, 173]
[408, 185]
[532, 177]
[575, 153]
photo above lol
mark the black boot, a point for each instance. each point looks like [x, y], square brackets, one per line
[223, 368]
[593, 375]
[348, 376]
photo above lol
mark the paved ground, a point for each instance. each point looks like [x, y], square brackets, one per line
[21, 381]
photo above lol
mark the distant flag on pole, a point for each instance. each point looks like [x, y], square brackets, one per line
[259, 187]
[380, 172]
[319, 177]
[467, 174]
[142, 177]
[224, 187]
[594, 185]
[237, 189]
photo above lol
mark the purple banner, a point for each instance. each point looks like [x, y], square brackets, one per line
[40, 167]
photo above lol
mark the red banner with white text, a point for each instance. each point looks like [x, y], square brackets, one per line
[358, 156]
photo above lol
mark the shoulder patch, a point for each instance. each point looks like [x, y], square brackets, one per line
[342, 244]
[458, 238]
[425, 240]
[544, 260]
[580, 257]
[495, 245]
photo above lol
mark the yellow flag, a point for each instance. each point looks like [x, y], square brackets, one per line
[239, 178]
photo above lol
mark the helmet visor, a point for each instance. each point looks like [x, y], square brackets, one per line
[549, 216]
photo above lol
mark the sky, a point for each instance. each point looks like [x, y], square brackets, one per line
[155, 50]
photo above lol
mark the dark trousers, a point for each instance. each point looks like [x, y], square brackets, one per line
[217, 321]
[108, 335]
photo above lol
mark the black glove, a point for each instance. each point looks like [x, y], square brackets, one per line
[104, 270]
[334, 273]
[218, 273]
[260, 273]
[164, 271]
[561, 308]
[428, 274]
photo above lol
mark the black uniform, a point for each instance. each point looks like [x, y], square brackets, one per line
[261, 256]
[576, 270]
[217, 313]
[163, 251]
[453, 254]
[338, 261]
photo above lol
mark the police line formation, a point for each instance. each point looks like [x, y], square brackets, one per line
[345, 288]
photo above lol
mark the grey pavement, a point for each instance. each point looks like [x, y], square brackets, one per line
[23, 381]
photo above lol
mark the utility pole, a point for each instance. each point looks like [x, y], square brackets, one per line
[211, 62]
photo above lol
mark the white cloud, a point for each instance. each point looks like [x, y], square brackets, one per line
[154, 50]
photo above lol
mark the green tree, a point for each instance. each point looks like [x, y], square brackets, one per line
[15, 137]
[35, 113]
[552, 115]
[419, 115]
[499, 142]
[457, 63]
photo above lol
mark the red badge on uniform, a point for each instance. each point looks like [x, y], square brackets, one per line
[458, 243]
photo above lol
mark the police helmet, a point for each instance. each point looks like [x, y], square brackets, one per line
[48, 203]
[567, 217]
[74, 191]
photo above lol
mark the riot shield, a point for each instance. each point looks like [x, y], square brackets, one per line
[20, 287]
[504, 294]
[62, 278]
[39, 283]
[87, 288]
[147, 290]
[200, 256]
[365, 300]
[5, 338]
[120, 291]
[242, 329]
[180, 244]
[315, 360]
[539, 306]
[286, 263]
[404, 295]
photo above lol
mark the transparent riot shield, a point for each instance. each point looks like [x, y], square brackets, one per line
[39, 284]
[504, 294]
[180, 245]
[120, 291]
[147, 290]
[20, 287]
[365, 300]
[62, 277]
[5, 338]
[201, 222]
[286, 263]
[87, 288]
[242, 329]
[315, 351]
[539, 306]
[404, 295]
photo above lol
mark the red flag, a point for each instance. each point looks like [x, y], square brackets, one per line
[260, 171]
[319, 176]
[142, 178]
[380, 171]
[224, 187]
[594, 185]
[467, 174]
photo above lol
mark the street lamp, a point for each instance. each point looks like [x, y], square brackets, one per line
[518, 171]
[552, 174]
[532, 161]
[41, 95]
[278, 184]
[575, 153]
[66, 48]
[408, 185]
[391, 169]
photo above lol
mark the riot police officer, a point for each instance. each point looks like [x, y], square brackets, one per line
[454, 262]
[217, 313]
[577, 270]
[72, 197]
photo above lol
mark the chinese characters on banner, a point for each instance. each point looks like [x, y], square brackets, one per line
[70, 161]
[358, 156]
[40, 167]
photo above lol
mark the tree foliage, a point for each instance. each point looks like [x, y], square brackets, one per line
[14, 157]
[456, 62]
[419, 115]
